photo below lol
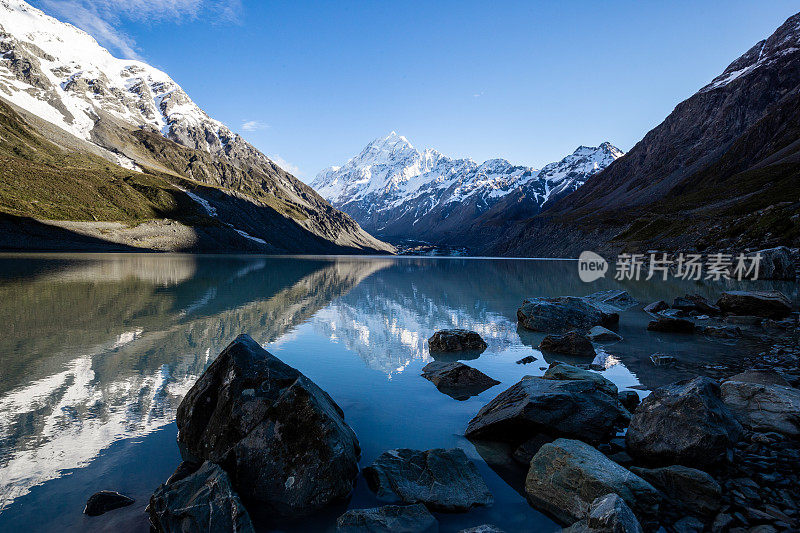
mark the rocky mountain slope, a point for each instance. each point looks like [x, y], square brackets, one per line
[394, 190]
[72, 92]
[721, 171]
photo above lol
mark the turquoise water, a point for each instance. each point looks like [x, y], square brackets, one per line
[98, 350]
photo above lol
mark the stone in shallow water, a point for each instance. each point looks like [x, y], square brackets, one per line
[563, 314]
[767, 304]
[572, 343]
[457, 380]
[202, 501]
[443, 480]
[526, 360]
[664, 360]
[685, 423]
[689, 490]
[613, 298]
[283, 440]
[456, 340]
[484, 528]
[607, 514]
[601, 334]
[104, 501]
[561, 408]
[565, 371]
[665, 324]
[723, 332]
[567, 476]
[695, 303]
[388, 519]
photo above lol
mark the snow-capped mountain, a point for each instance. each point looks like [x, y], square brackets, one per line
[394, 190]
[62, 81]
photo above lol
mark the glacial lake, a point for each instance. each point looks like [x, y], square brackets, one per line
[97, 351]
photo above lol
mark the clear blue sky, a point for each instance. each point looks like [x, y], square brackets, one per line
[526, 81]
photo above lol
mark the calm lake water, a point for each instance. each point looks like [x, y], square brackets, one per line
[97, 351]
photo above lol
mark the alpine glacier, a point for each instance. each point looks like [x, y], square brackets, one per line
[394, 190]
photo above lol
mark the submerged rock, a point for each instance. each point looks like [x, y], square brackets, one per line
[613, 298]
[601, 334]
[443, 480]
[665, 324]
[202, 501]
[456, 340]
[723, 332]
[572, 343]
[457, 380]
[563, 314]
[567, 476]
[528, 359]
[562, 408]
[607, 514]
[565, 371]
[388, 519]
[695, 303]
[766, 304]
[685, 422]
[764, 407]
[105, 501]
[281, 438]
[484, 528]
[688, 489]
[663, 360]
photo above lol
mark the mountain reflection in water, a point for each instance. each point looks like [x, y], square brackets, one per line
[101, 348]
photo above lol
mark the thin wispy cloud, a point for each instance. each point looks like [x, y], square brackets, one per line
[103, 18]
[254, 125]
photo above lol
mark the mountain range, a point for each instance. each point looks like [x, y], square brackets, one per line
[395, 191]
[112, 145]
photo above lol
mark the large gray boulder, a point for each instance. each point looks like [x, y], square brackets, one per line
[443, 480]
[201, 501]
[560, 371]
[563, 314]
[456, 340]
[607, 514]
[281, 438]
[388, 519]
[685, 422]
[457, 380]
[764, 407]
[566, 476]
[572, 343]
[562, 408]
[776, 263]
[689, 490]
[767, 304]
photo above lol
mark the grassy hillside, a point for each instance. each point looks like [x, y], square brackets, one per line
[40, 179]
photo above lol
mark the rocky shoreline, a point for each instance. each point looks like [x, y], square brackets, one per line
[719, 452]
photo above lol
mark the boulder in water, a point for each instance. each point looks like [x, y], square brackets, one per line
[457, 380]
[560, 408]
[456, 340]
[572, 343]
[563, 314]
[105, 501]
[201, 501]
[443, 480]
[281, 438]
[685, 422]
[566, 476]
[388, 519]
[766, 304]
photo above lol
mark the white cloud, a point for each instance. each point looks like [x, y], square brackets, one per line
[102, 18]
[285, 165]
[253, 125]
